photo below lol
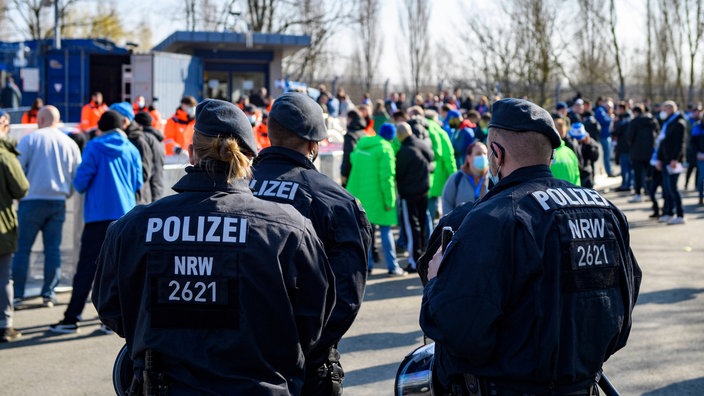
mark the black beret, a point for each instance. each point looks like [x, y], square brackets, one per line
[300, 114]
[219, 118]
[143, 118]
[110, 120]
[520, 115]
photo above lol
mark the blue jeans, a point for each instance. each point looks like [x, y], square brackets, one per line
[48, 217]
[432, 209]
[700, 178]
[6, 307]
[626, 171]
[673, 199]
[606, 146]
[387, 245]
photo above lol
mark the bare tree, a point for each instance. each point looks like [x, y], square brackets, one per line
[261, 14]
[535, 26]
[494, 52]
[189, 8]
[318, 19]
[649, 93]
[414, 21]
[36, 21]
[592, 61]
[694, 37]
[30, 17]
[672, 24]
[662, 74]
[617, 51]
[370, 40]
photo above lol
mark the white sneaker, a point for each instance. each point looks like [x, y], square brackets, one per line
[676, 220]
[104, 329]
[636, 198]
[664, 219]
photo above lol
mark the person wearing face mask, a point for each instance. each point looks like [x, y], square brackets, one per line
[178, 132]
[469, 183]
[140, 105]
[285, 173]
[91, 112]
[669, 154]
[537, 286]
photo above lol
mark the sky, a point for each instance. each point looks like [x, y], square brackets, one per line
[447, 18]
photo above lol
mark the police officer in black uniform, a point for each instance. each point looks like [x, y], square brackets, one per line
[214, 290]
[536, 289]
[285, 173]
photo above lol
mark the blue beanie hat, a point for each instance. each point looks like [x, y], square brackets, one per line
[453, 114]
[388, 131]
[125, 109]
[560, 105]
[577, 131]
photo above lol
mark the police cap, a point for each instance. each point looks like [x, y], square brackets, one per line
[520, 115]
[301, 115]
[220, 118]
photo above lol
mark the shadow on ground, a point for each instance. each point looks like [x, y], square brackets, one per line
[670, 296]
[388, 287]
[370, 375]
[372, 341]
[688, 387]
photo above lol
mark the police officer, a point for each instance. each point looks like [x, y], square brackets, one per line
[214, 290]
[285, 173]
[537, 286]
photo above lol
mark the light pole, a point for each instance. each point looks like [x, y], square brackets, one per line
[57, 30]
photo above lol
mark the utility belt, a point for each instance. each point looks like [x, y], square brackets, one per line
[471, 385]
[332, 370]
[153, 381]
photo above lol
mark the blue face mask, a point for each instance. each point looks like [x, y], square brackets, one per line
[494, 178]
[481, 162]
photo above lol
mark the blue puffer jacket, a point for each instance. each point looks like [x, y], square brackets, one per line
[110, 175]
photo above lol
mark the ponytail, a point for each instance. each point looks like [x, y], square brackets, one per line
[223, 149]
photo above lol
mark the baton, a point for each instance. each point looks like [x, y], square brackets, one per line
[607, 386]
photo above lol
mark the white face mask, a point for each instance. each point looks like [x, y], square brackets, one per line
[141, 104]
[190, 110]
[663, 115]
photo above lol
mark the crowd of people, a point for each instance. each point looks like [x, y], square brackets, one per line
[477, 167]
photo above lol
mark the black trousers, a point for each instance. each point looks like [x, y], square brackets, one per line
[414, 223]
[91, 242]
[639, 170]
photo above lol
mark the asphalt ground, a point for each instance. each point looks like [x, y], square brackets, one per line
[664, 355]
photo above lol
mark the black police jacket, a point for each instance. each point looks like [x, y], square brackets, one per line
[287, 176]
[536, 287]
[229, 291]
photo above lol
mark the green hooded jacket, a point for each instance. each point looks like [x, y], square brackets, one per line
[444, 158]
[373, 179]
[565, 165]
[13, 185]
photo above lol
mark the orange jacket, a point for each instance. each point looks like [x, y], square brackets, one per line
[178, 132]
[156, 119]
[261, 134]
[30, 117]
[369, 130]
[90, 114]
